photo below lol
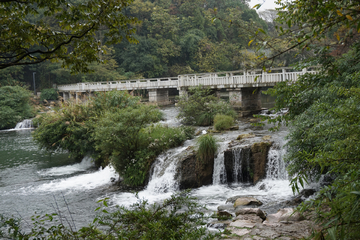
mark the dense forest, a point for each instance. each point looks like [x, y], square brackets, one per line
[173, 37]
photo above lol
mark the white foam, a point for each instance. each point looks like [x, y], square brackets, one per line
[85, 164]
[80, 182]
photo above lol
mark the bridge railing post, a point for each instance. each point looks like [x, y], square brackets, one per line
[283, 74]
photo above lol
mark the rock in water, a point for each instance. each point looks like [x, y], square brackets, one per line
[244, 201]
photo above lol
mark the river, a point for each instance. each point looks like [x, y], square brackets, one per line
[32, 180]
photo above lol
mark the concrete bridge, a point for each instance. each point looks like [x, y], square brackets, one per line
[243, 87]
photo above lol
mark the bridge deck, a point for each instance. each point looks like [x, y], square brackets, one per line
[233, 79]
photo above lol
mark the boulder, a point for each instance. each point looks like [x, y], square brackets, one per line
[224, 215]
[245, 135]
[193, 173]
[247, 163]
[226, 207]
[245, 201]
[259, 154]
[283, 216]
[251, 211]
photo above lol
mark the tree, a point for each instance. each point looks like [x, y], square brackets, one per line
[201, 106]
[306, 23]
[14, 106]
[38, 30]
[323, 112]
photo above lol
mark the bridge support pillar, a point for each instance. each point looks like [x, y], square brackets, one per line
[159, 96]
[246, 101]
[65, 96]
[183, 93]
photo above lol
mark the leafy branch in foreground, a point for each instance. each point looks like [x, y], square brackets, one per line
[178, 217]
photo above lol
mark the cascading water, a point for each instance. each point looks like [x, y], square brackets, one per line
[237, 163]
[276, 168]
[163, 179]
[219, 174]
[25, 124]
[29, 178]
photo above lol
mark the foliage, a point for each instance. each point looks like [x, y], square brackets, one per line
[14, 106]
[323, 113]
[174, 37]
[49, 94]
[35, 31]
[201, 107]
[178, 217]
[112, 127]
[207, 147]
[223, 122]
[132, 146]
[305, 25]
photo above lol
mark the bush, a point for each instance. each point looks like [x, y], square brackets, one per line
[49, 94]
[112, 128]
[14, 106]
[140, 221]
[201, 107]
[223, 122]
[207, 147]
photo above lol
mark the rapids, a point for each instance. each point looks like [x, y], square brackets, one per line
[32, 180]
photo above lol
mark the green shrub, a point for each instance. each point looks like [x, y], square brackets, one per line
[14, 106]
[223, 122]
[112, 128]
[49, 94]
[140, 221]
[207, 147]
[201, 107]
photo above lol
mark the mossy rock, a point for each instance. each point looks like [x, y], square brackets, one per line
[245, 135]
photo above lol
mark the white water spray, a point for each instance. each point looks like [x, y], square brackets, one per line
[276, 168]
[25, 124]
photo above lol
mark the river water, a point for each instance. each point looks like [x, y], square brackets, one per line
[32, 180]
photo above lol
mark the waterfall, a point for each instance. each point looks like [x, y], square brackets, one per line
[25, 124]
[219, 174]
[237, 163]
[163, 173]
[276, 168]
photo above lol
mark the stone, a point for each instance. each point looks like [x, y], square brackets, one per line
[265, 233]
[307, 192]
[226, 207]
[255, 211]
[223, 215]
[259, 152]
[252, 159]
[193, 173]
[239, 232]
[266, 138]
[244, 201]
[218, 225]
[234, 128]
[283, 215]
[245, 135]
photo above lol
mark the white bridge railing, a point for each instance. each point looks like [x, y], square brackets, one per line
[249, 78]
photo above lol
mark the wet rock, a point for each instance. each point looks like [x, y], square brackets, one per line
[219, 225]
[266, 138]
[307, 192]
[262, 187]
[239, 232]
[193, 173]
[224, 215]
[245, 201]
[252, 159]
[283, 215]
[245, 135]
[226, 207]
[251, 211]
[234, 128]
[259, 152]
